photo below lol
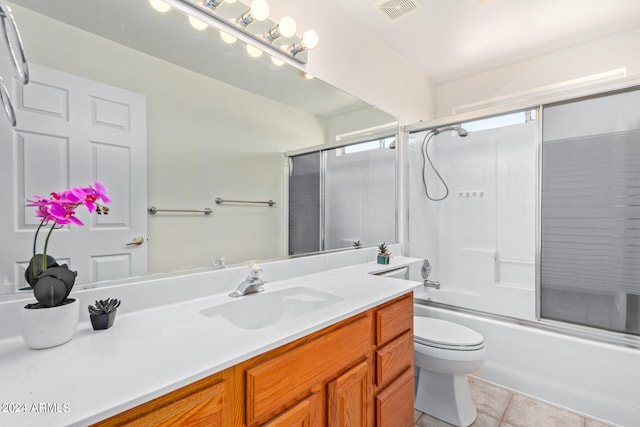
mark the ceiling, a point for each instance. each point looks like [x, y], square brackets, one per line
[450, 39]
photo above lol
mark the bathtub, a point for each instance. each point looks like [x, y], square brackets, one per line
[598, 380]
[496, 299]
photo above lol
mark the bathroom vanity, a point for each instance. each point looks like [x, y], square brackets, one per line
[330, 348]
[351, 373]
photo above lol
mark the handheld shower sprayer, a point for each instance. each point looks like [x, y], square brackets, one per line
[462, 132]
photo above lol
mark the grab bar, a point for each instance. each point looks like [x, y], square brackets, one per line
[152, 210]
[21, 64]
[220, 201]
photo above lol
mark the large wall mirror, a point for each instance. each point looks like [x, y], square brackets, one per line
[215, 122]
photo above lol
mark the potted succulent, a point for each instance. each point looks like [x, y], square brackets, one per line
[53, 319]
[383, 254]
[103, 313]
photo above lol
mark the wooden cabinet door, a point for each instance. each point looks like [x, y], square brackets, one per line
[304, 414]
[394, 404]
[348, 398]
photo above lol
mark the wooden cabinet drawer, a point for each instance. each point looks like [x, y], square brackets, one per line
[394, 319]
[394, 358]
[394, 404]
[280, 380]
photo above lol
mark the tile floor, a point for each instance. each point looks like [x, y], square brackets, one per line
[499, 407]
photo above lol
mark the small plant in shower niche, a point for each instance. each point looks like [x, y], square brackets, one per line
[383, 254]
[103, 313]
[356, 244]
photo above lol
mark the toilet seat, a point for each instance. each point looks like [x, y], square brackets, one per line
[445, 335]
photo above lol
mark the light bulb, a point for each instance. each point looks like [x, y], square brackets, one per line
[227, 38]
[160, 6]
[310, 39]
[253, 51]
[305, 75]
[197, 24]
[277, 61]
[260, 9]
[287, 26]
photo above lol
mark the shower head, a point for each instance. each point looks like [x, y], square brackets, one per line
[461, 131]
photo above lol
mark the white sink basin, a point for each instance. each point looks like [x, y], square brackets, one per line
[260, 310]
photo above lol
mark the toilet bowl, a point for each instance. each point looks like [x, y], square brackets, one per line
[445, 353]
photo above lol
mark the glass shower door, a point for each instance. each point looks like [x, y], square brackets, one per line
[590, 213]
[304, 203]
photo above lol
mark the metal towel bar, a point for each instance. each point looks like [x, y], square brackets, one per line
[15, 46]
[220, 201]
[153, 210]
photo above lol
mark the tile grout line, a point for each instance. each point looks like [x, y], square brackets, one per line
[506, 408]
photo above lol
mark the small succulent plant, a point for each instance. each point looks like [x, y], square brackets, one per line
[356, 244]
[105, 306]
[383, 250]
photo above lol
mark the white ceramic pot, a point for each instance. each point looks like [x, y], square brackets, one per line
[49, 327]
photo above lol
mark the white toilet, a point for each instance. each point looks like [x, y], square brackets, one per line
[445, 353]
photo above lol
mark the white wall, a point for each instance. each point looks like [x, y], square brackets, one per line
[599, 56]
[198, 147]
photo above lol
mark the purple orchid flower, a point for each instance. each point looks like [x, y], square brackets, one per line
[60, 207]
[63, 214]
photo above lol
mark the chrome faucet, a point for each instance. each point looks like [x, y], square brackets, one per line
[426, 270]
[431, 284]
[252, 284]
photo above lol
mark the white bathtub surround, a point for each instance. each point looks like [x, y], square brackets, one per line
[480, 239]
[594, 379]
[169, 345]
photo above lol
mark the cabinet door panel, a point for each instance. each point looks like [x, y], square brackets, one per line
[394, 404]
[348, 396]
[304, 414]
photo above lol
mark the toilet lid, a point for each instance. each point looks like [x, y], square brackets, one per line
[444, 334]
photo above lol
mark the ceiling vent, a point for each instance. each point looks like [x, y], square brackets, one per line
[393, 10]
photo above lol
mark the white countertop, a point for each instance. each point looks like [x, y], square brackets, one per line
[149, 353]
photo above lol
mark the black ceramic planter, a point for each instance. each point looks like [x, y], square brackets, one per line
[102, 320]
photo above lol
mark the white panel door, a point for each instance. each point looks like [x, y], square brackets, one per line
[72, 131]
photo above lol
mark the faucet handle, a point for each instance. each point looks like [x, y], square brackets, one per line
[255, 270]
[220, 263]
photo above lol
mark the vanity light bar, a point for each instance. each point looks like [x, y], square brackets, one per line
[294, 54]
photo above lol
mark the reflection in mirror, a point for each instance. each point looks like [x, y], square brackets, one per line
[343, 197]
[210, 121]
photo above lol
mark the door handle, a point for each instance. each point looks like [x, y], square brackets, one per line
[137, 241]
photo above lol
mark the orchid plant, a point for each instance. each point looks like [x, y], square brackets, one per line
[51, 282]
